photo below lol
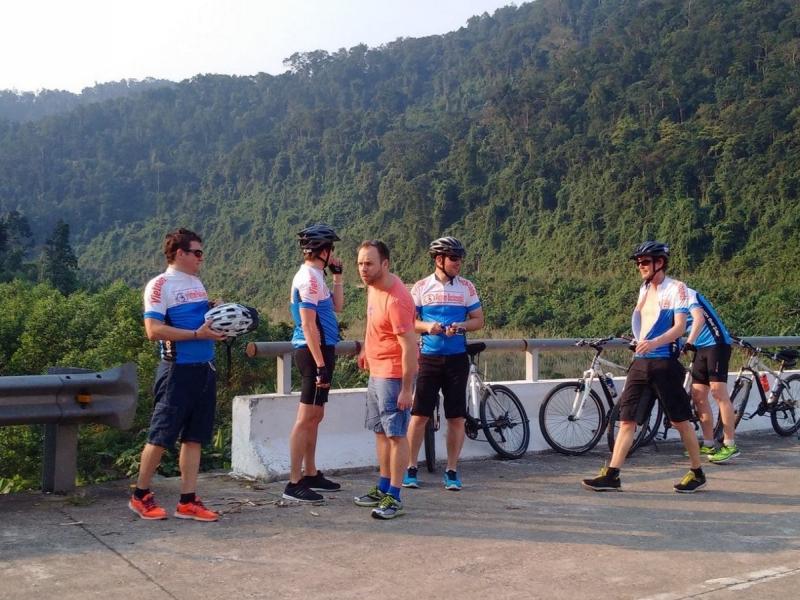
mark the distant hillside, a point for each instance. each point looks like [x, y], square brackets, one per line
[29, 106]
[551, 137]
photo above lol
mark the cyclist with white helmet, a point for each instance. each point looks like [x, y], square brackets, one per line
[447, 305]
[658, 321]
[185, 388]
[711, 343]
[316, 332]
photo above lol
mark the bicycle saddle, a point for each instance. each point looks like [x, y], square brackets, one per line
[788, 356]
[475, 348]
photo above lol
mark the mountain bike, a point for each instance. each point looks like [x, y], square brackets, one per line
[572, 416]
[652, 423]
[783, 402]
[492, 409]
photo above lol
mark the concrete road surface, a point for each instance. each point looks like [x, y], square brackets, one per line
[518, 529]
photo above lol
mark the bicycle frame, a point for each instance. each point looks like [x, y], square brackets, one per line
[594, 372]
[755, 367]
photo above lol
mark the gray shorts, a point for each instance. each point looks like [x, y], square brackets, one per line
[382, 415]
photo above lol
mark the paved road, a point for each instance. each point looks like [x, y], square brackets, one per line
[519, 529]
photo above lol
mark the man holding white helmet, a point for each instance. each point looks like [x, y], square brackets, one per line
[185, 389]
[316, 332]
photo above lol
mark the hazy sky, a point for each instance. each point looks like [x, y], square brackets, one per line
[72, 44]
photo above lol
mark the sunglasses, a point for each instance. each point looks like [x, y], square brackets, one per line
[644, 263]
[455, 258]
[197, 252]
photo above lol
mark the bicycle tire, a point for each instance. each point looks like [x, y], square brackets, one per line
[430, 446]
[565, 434]
[643, 435]
[740, 394]
[504, 422]
[785, 415]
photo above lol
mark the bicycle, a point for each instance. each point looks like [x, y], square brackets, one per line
[572, 416]
[492, 409]
[783, 402]
[650, 422]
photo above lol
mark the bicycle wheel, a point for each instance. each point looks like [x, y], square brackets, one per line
[564, 432]
[430, 446]
[785, 415]
[643, 434]
[740, 394]
[504, 422]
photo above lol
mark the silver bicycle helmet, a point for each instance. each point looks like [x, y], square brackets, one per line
[232, 319]
[316, 237]
[447, 245]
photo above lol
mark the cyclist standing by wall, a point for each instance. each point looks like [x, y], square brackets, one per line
[390, 355]
[446, 303]
[185, 388]
[711, 342]
[316, 332]
[659, 319]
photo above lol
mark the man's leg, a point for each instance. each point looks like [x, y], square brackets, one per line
[398, 459]
[689, 441]
[189, 462]
[456, 433]
[303, 441]
[622, 443]
[151, 458]
[703, 409]
[416, 433]
[719, 390]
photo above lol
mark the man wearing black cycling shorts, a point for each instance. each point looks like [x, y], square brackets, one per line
[447, 304]
[316, 332]
[711, 343]
[659, 319]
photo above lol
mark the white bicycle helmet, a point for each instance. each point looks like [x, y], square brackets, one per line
[232, 319]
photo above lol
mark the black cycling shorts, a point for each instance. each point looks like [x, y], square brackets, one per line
[711, 364]
[666, 376]
[446, 373]
[309, 392]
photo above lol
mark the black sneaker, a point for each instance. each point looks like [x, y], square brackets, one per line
[603, 482]
[690, 483]
[299, 492]
[318, 483]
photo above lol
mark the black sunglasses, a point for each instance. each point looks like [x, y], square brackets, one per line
[646, 262]
[197, 252]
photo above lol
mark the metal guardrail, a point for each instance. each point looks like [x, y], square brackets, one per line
[62, 400]
[530, 346]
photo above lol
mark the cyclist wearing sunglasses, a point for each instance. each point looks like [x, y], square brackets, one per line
[446, 304]
[185, 389]
[316, 332]
[658, 321]
[711, 343]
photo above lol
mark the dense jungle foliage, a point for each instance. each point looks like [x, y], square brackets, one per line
[550, 137]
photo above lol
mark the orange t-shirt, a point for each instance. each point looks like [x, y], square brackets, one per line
[389, 314]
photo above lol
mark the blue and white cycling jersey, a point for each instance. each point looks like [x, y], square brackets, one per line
[444, 303]
[310, 291]
[714, 331]
[673, 297]
[179, 300]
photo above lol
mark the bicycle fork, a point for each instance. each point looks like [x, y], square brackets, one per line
[580, 396]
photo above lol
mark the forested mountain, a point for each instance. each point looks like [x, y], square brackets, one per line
[550, 137]
[29, 106]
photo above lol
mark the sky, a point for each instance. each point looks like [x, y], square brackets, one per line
[72, 44]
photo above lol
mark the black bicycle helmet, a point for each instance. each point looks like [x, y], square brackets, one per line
[651, 248]
[316, 237]
[447, 245]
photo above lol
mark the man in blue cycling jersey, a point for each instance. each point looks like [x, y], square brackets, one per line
[711, 343]
[659, 319]
[316, 332]
[447, 306]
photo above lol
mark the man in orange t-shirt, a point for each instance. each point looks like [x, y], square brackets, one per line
[390, 355]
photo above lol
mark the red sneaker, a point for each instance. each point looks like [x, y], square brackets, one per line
[195, 510]
[147, 508]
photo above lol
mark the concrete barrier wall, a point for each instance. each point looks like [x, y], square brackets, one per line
[262, 423]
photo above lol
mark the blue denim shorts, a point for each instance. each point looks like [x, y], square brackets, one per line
[185, 402]
[382, 414]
